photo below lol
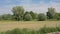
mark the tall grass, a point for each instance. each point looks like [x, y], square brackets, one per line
[43, 30]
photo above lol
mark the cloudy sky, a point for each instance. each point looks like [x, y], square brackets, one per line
[38, 6]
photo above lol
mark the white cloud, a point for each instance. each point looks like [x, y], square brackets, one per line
[43, 8]
[38, 8]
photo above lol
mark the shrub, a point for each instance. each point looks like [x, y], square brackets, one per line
[42, 17]
[16, 31]
[42, 30]
[25, 31]
[8, 32]
[57, 16]
[28, 17]
[33, 15]
[33, 32]
[45, 30]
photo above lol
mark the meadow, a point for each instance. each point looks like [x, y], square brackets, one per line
[9, 25]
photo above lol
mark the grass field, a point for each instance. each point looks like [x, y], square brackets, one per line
[9, 25]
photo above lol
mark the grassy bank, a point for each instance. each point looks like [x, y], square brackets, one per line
[43, 30]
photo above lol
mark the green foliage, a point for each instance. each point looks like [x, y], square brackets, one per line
[16, 31]
[41, 17]
[20, 15]
[28, 17]
[51, 13]
[6, 17]
[57, 15]
[25, 14]
[33, 15]
[8, 32]
[18, 12]
[49, 30]
[42, 30]
[25, 31]
[2, 33]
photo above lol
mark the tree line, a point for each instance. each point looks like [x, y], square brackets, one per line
[19, 14]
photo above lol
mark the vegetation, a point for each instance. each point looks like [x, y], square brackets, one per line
[19, 14]
[41, 17]
[30, 27]
[51, 13]
[57, 16]
[43, 30]
[33, 15]
[6, 17]
[28, 17]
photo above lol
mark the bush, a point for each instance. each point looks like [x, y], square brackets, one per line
[16, 31]
[28, 17]
[8, 32]
[45, 30]
[42, 17]
[33, 15]
[42, 30]
[57, 16]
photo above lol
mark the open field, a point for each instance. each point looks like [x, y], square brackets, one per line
[8, 25]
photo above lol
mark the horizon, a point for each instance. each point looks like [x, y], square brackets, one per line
[37, 6]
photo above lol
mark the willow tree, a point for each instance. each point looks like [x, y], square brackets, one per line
[18, 12]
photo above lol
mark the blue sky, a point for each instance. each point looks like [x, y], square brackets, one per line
[38, 6]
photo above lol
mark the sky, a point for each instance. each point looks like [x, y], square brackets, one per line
[37, 6]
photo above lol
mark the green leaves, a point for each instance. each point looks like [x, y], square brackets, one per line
[42, 17]
[18, 12]
[28, 17]
[42, 30]
[51, 13]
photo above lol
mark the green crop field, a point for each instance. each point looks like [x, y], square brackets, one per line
[9, 25]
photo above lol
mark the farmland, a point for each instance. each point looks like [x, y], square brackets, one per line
[9, 25]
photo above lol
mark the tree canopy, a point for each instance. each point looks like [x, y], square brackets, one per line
[18, 12]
